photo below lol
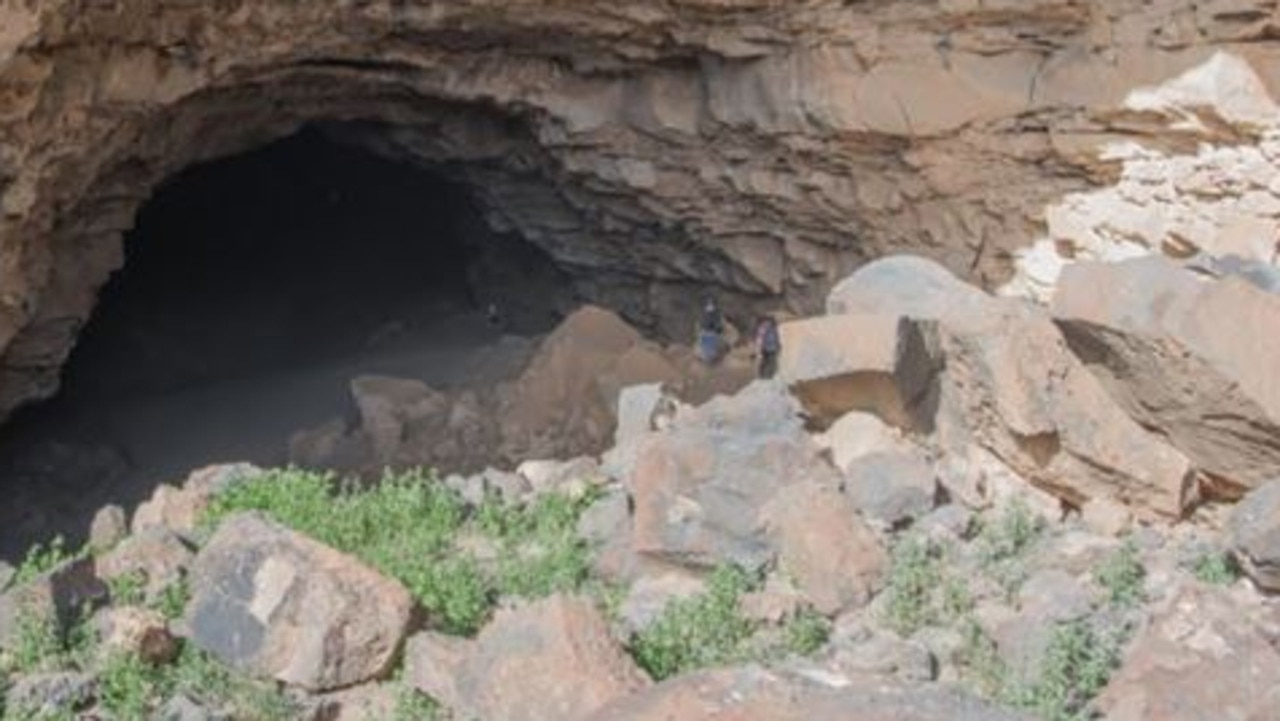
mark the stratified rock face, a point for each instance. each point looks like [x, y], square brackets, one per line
[760, 147]
[277, 604]
[1192, 359]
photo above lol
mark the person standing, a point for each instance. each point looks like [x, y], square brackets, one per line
[768, 345]
[710, 332]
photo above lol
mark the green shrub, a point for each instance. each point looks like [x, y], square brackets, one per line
[1216, 568]
[128, 589]
[130, 688]
[202, 679]
[173, 599]
[1004, 542]
[1076, 666]
[914, 576]
[41, 559]
[806, 632]
[406, 526]
[704, 630]
[1121, 574]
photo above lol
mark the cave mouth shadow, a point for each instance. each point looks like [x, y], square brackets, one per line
[307, 253]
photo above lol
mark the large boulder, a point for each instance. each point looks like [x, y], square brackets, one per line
[754, 694]
[880, 363]
[1205, 655]
[698, 488]
[548, 660]
[392, 409]
[825, 547]
[1255, 535]
[1011, 385]
[1193, 359]
[279, 605]
[892, 488]
[562, 405]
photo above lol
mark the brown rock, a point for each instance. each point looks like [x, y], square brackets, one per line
[825, 547]
[156, 557]
[545, 661]
[62, 595]
[110, 525]
[433, 662]
[1254, 531]
[1194, 360]
[181, 509]
[563, 403]
[879, 363]
[1205, 655]
[389, 406]
[274, 603]
[137, 631]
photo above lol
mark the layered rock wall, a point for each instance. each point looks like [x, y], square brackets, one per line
[762, 147]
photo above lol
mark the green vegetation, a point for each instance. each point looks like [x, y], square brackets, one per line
[710, 630]
[205, 681]
[407, 527]
[128, 687]
[705, 630]
[414, 706]
[915, 575]
[1216, 568]
[1121, 574]
[41, 559]
[1003, 544]
[128, 589]
[1075, 667]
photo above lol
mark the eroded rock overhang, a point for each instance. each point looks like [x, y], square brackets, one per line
[756, 147]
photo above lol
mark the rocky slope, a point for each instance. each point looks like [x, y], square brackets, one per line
[933, 522]
[765, 148]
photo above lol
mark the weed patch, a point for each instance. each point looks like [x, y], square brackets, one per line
[1121, 574]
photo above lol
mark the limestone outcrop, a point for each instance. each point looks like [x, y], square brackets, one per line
[763, 149]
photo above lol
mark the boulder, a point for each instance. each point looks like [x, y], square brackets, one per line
[274, 603]
[825, 547]
[1255, 535]
[1010, 385]
[642, 409]
[370, 702]
[878, 363]
[110, 525]
[1193, 359]
[182, 708]
[548, 660]
[390, 407]
[755, 694]
[563, 403]
[698, 488]
[136, 631]
[157, 557]
[49, 695]
[180, 510]
[857, 434]
[1205, 655]
[432, 663]
[892, 488]
[859, 651]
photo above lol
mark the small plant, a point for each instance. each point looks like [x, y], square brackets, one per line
[128, 589]
[806, 632]
[41, 559]
[1121, 574]
[204, 680]
[1216, 568]
[914, 575]
[128, 687]
[1011, 534]
[980, 661]
[1076, 666]
[173, 599]
[412, 705]
[705, 630]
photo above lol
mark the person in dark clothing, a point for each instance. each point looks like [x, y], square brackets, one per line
[710, 332]
[768, 345]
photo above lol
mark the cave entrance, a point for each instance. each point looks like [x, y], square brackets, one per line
[254, 288]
